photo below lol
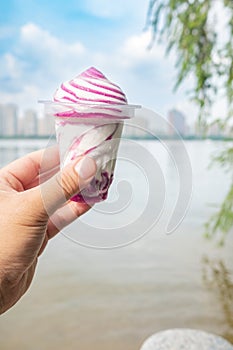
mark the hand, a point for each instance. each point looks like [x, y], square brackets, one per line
[34, 206]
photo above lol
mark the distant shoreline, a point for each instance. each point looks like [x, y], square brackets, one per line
[149, 138]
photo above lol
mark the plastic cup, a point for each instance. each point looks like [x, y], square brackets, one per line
[92, 130]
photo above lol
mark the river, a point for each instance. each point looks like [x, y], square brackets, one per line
[115, 277]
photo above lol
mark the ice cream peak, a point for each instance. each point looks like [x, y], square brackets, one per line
[91, 86]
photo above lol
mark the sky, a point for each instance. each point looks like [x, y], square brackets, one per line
[43, 43]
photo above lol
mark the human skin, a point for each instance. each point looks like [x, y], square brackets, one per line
[34, 207]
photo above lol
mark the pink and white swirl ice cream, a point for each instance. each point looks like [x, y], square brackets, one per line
[91, 86]
[90, 111]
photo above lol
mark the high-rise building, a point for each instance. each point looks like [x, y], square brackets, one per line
[30, 123]
[228, 131]
[146, 124]
[49, 125]
[136, 127]
[177, 122]
[41, 127]
[1, 120]
[214, 130]
[46, 126]
[8, 119]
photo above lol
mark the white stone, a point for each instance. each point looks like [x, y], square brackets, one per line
[185, 339]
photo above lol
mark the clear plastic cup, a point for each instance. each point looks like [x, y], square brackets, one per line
[93, 130]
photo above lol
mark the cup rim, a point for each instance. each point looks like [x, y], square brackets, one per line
[84, 105]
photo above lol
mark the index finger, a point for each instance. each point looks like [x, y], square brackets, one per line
[22, 172]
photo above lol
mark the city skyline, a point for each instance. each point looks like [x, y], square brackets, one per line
[30, 123]
[35, 124]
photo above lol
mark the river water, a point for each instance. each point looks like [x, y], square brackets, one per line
[87, 295]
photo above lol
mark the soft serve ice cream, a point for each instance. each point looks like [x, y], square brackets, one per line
[91, 86]
[90, 111]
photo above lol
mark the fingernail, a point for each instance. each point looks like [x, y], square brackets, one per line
[86, 168]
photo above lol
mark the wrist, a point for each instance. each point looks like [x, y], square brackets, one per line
[6, 292]
[2, 284]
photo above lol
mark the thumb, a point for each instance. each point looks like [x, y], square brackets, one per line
[52, 194]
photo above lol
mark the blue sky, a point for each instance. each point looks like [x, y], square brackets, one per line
[43, 43]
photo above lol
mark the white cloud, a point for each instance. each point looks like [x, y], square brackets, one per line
[41, 61]
[43, 42]
[49, 55]
[219, 18]
[10, 66]
[136, 49]
[36, 65]
[114, 9]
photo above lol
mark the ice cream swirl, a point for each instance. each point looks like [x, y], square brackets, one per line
[91, 86]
